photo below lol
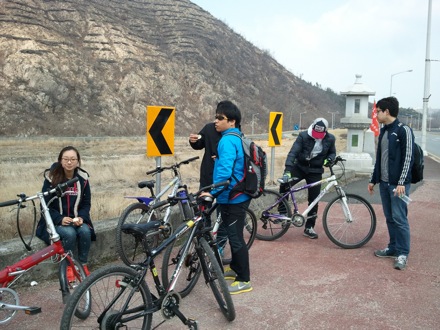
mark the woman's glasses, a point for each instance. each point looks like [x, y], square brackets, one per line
[69, 160]
[220, 117]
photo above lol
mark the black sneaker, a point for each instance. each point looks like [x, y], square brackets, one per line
[310, 233]
[385, 253]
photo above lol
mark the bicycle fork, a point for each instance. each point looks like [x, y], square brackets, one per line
[345, 208]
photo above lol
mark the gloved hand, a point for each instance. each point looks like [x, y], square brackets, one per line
[286, 177]
[328, 162]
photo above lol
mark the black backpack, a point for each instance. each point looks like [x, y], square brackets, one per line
[418, 164]
[255, 169]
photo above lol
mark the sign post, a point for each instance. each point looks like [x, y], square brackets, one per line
[275, 138]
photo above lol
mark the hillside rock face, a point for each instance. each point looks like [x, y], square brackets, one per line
[90, 68]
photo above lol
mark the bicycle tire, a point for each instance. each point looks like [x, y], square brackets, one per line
[345, 234]
[105, 285]
[129, 247]
[191, 268]
[70, 286]
[8, 296]
[249, 234]
[268, 228]
[214, 277]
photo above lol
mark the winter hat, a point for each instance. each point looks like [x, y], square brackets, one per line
[318, 128]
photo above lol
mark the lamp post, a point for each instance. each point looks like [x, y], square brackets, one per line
[333, 117]
[253, 121]
[300, 114]
[391, 82]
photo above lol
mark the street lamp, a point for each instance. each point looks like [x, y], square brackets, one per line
[391, 83]
[253, 121]
[300, 114]
[333, 117]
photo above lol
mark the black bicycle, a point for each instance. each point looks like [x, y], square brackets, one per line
[120, 296]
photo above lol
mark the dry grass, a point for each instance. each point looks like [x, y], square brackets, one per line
[115, 166]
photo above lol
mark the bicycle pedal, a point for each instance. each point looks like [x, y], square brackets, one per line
[191, 323]
[32, 310]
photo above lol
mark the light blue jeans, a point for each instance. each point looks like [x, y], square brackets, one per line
[72, 236]
[396, 215]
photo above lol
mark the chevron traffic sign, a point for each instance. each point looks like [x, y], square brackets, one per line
[275, 128]
[160, 131]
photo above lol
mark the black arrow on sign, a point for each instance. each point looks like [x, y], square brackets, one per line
[273, 129]
[156, 131]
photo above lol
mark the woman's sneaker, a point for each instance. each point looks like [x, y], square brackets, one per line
[310, 233]
[70, 275]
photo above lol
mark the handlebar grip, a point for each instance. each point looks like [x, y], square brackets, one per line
[213, 186]
[189, 160]
[9, 203]
[154, 171]
[220, 184]
[70, 182]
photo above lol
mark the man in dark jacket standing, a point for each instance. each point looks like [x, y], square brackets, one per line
[311, 150]
[207, 139]
[392, 171]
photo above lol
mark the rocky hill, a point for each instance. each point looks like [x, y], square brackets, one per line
[90, 67]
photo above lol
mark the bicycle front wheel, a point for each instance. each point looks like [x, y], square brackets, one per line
[129, 247]
[269, 227]
[68, 285]
[214, 277]
[249, 234]
[349, 225]
[190, 271]
[116, 302]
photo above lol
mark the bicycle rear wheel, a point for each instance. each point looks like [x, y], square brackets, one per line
[190, 272]
[130, 247]
[214, 277]
[269, 227]
[346, 233]
[249, 234]
[109, 288]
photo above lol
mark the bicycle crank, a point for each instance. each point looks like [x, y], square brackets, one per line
[170, 304]
[298, 220]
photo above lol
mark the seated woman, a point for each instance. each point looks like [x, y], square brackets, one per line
[71, 212]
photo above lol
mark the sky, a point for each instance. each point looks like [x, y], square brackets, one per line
[330, 41]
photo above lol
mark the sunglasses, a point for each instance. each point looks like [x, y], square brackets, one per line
[381, 110]
[220, 117]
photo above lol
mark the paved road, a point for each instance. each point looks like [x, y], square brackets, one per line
[312, 284]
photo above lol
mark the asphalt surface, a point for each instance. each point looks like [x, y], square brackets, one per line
[301, 283]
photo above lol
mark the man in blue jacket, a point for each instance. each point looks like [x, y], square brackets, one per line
[392, 171]
[229, 165]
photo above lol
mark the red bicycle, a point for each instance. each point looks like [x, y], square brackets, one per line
[9, 300]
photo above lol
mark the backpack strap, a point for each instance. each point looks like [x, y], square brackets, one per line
[233, 166]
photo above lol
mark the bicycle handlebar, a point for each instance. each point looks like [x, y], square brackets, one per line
[160, 169]
[337, 160]
[171, 199]
[59, 189]
[9, 203]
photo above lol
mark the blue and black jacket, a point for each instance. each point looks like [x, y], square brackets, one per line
[229, 165]
[400, 154]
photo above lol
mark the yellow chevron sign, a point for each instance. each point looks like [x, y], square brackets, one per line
[160, 130]
[275, 129]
